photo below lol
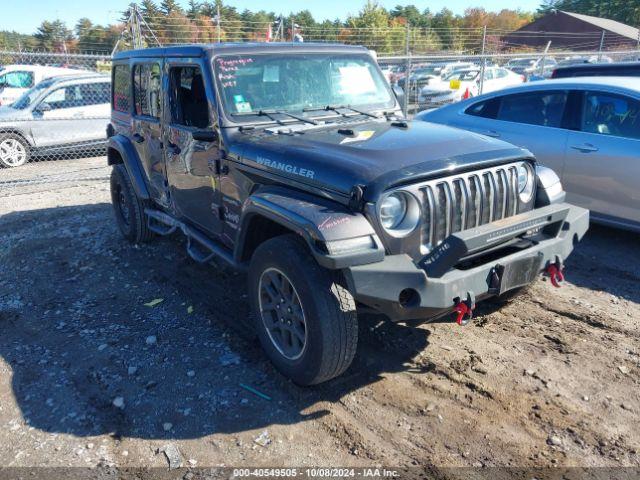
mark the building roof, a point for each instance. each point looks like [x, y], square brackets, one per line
[607, 24]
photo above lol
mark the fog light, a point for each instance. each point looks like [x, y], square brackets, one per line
[350, 245]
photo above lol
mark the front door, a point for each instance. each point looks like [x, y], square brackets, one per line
[602, 167]
[192, 166]
[147, 128]
[63, 117]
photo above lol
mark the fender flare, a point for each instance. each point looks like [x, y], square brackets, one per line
[318, 221]
[132, 164]
[20, 132]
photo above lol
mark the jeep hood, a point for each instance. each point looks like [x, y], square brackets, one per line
[377, 155]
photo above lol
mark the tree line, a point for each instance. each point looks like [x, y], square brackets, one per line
[384, 30]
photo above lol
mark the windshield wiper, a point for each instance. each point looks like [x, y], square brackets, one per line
[270, 114]
[335, 108]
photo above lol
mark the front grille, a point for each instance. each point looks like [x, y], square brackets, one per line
[466, 201]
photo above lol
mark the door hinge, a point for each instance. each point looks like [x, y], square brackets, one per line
[217, 211]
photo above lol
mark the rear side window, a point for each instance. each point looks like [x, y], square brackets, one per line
[535, 108]
[608, 114]
[95, 93]
[487, 109]
[146, 91]
[121, 88]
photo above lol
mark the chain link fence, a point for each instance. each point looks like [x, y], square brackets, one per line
[433, 80]
[56, 106]
[53, 106]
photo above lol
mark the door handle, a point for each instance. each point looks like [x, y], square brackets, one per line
[138, 138]
[585, 147]
[492, 133]
[78, 115]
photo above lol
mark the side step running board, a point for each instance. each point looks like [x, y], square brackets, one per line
[199, 246]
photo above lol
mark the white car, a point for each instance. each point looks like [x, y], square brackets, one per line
[463, 84]
[17, 79]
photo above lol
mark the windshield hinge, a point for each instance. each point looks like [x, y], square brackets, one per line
[356, 198]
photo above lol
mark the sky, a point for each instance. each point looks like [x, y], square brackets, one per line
[24, 16]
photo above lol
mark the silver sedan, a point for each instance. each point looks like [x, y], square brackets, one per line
[587, 129]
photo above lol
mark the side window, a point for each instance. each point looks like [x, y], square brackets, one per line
[17, 80]
[121, 88]
[487, 109]
[146, 91]
[65, 97]
[501, 73]
[489, 74]
[609, 114]
[536, 108]
[189, 105]
[95, 93]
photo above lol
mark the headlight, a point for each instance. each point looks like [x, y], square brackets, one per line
[525, 182]
[399, 213]
[393, 208]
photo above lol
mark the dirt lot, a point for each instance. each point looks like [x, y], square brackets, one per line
[90, 375]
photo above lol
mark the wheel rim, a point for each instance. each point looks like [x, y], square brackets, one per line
[12, 152]
[122, 205]
[282, 314]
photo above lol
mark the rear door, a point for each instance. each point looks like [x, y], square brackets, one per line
[602, 169]
[95, 98]
[147, 126]
[532, 120]
[192, 166]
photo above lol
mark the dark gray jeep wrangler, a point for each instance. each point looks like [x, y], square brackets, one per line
[294, 162]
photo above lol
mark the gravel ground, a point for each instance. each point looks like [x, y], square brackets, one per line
[120, 355]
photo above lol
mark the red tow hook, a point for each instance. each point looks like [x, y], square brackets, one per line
[464, 310]
[554, 270]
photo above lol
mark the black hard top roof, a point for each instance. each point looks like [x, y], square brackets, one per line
[197, 50]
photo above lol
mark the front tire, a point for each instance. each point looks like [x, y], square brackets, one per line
[14, 150]
[304, 316]
[128, 208]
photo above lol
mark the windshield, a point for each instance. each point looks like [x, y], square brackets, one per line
[294, 83]
[30, 96]
[464, 75]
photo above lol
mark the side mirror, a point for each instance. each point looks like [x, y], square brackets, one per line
[43, 107]
[205, 136]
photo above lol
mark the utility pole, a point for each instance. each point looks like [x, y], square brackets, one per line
[218, 22]
[484, 60]
[135, 23]
[407, 73]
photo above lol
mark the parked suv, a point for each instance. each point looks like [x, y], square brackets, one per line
[57, 116]
[292, 161]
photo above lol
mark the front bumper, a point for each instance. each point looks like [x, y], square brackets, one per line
[520, 248]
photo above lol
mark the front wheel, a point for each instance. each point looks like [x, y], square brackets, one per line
[14, 150]
[304, 316]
